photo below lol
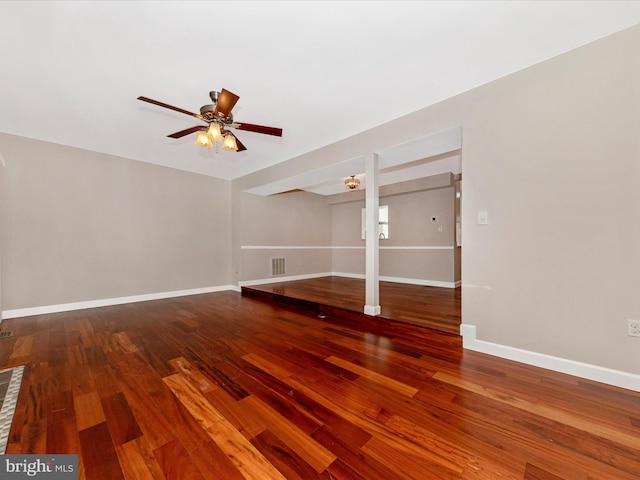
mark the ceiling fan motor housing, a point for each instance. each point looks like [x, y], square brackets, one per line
[207, 112]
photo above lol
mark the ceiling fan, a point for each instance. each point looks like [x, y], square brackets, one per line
[218, 119]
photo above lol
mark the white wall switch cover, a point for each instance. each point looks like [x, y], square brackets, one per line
[483, 218]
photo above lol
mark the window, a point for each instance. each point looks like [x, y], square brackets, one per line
[383, 225]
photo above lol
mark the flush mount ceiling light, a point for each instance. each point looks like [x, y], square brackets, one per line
[352, 183]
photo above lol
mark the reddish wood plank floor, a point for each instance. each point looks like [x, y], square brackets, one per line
[224, 386]
[432, 307]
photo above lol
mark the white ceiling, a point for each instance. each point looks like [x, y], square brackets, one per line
[323, 71]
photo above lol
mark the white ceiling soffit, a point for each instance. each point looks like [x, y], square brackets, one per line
[425, 147]
[445, 163]
[419, 158]
[322, 71]
[313, 178]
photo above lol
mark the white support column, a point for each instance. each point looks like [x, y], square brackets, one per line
[372, 217]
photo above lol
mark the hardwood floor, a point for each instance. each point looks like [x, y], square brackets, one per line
[223, 386]
[432, 307]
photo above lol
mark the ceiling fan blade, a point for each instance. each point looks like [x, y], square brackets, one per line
[250, 127]
[241, 146]
[184, 132]
[226, 102]
[170, 107]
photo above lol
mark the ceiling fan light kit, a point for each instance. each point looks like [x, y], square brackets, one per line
[218, 119]
[214, 132]
[203, 139]
[230, 143]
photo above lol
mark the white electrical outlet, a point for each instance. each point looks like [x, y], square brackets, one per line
[634, 328]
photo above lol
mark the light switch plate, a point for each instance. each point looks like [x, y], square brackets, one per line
[483, 218]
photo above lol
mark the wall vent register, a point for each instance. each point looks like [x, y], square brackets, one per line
[277, 266]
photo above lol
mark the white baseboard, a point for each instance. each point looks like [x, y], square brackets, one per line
[409, 281]
[289, 278]
[418, 281]
[596, 373]
[65, 307]
[359, 276]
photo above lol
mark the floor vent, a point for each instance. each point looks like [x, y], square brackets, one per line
[8, 333]
[277, 266]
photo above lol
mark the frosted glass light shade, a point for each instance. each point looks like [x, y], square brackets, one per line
[203, 139]
[229, 143]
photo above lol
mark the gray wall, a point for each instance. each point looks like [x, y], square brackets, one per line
[346, 225]
[319, 235]
[551, 153]
[79, 226]
[418, 249]
[295, 226]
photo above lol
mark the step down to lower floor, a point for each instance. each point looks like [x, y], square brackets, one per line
[321, 310]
